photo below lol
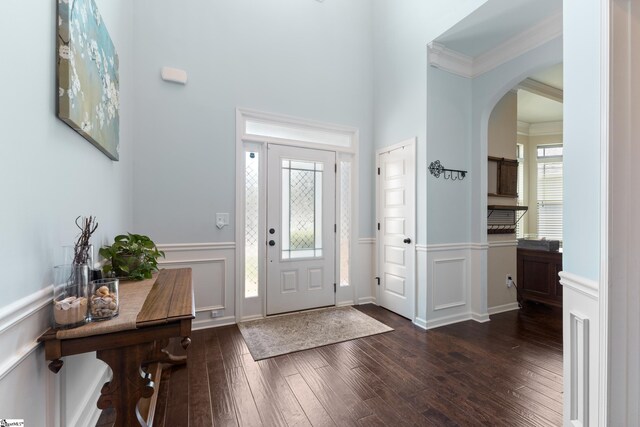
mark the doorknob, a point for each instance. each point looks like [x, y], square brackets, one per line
[407, 240]
[272, 242]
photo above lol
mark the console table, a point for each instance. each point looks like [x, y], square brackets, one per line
[135, 356]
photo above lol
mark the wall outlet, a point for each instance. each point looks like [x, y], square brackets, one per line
[509, 281]
[216, 313]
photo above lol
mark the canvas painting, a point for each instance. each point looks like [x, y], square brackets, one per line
[88, 87]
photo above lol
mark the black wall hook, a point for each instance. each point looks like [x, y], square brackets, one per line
[437, 169]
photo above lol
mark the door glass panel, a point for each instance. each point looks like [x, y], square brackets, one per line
[251, 221]
[301, 209]
[345, 221]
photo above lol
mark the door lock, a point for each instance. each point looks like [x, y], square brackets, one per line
[407, 240]
[272, 231]
[272, 242]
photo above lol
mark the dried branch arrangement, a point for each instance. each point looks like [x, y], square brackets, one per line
[87, 227]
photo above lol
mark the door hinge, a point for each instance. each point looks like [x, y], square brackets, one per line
[378, 280]
[334, 288]
[336, 167]
[378, 171]
[378, 226]
[335, 228]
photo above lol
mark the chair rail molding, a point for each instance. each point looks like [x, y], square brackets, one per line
[21, 323]
[579, 284]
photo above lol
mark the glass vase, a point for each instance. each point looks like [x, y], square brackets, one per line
[70, 303]
[103, 299]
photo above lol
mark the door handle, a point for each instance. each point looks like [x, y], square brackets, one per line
[272, 242]
[407, 240]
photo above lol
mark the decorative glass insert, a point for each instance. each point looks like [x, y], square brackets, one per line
[301, 209]
[345, 221]
[251, 223]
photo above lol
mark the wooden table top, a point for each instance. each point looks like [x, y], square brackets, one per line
[169, 300]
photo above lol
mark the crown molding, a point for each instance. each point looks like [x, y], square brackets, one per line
[542, 89]
[546, 128]
[537, 35]
[449, 60]
[523, 128]
[439, 56]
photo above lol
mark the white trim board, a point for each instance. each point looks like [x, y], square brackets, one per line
[189, 247]
[21, 323]
[503, 308]
[579, 284]
[19, 310]
[90, 413]
[439, 56]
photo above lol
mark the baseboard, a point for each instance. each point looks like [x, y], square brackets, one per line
[344, 303]
[213, 323]
[90, 413]
[421, 323]
[367, 300]
[503, 308]
[448, 320]
[480, 318]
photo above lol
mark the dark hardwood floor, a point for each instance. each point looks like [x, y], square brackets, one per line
[507, 372]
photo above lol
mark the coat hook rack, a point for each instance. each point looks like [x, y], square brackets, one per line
[437, 169]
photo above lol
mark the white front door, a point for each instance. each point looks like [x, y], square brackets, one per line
[300, 228]
[396, 235]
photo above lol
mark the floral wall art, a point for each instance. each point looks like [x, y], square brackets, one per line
[88, 75]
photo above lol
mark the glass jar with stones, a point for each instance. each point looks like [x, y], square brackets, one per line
[103, 299]
[70, 304]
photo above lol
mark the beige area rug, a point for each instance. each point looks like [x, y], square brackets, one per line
[301, 331]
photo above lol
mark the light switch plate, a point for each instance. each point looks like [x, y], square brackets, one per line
[222, 219]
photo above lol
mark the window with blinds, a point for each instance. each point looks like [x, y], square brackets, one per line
[550, 192]
[520, 200]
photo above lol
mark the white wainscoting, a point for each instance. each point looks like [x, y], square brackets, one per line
[213, 266]
[64, 399]
[581, 323]
[447, 284]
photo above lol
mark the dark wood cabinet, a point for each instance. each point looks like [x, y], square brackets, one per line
[538, 278]
[503, 177]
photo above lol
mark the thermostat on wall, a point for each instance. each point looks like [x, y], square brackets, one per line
[174, 75]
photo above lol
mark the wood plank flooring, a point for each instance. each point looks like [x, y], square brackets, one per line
[507, 372]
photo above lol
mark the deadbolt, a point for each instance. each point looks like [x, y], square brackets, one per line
[272, 242]
[272, 231]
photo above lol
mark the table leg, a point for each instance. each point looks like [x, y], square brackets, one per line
[129, 382]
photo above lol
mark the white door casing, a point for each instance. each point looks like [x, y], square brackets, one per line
[396, 236]
[300, 228]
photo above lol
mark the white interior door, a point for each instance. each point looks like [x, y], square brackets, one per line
[396, 235]
[300, 229]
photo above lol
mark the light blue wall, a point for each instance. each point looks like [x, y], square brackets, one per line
[49, 176]
[582, 138]
[49, 173]
[448, 140]
[300, 58]
[402, 30]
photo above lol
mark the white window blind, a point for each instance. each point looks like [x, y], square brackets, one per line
[520, 201]
[550, 200]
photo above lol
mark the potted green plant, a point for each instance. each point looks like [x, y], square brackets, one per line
[133, 256]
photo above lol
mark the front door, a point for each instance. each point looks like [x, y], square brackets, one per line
[300, 229]
[396, 219]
